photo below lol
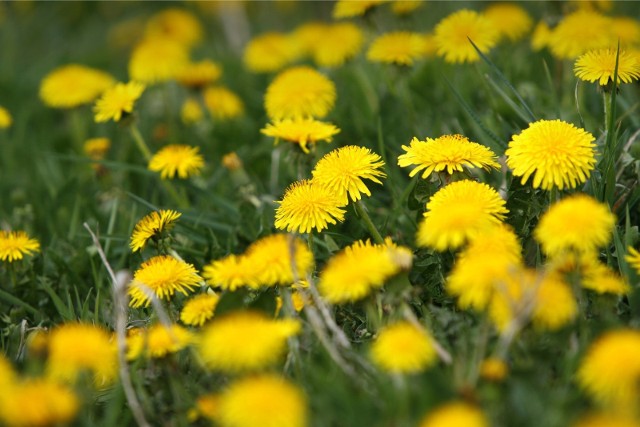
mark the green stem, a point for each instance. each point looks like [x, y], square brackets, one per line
[361, 211]
[139, 140]
[310, 240]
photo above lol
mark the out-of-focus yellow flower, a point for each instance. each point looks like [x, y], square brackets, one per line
[580, 32]
[455, 414]
[5, 118]
[157, 59]
[197, 75]
[73, 85]
[405, 7]
[511, 20]
[270, 52]
[191, 112]
[493, 369]
[158, 341]
[175, 24]
[222, 103]
[403, 348]
[351, 8]
[541, 36]
[452, 36]
[398, 47]
[96, 148]
[337, 44]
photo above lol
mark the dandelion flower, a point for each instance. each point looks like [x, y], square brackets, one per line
[541, 36]
[222, 103]
[448, 152]
[232, 161]
[306, 206]
[73, 85]
[299, 92]
[599, 65]
[459, 211]
[398, 47]
[196, 75]
[576, 223]
[76, 347]
[161, 341]
[262, 401]
[175, 24]
[610, 370]
[511, 20]
[117, 101]
[151, 226]
[271, 258]
[244, 341]
[452, 35]
[181, 160]
[206, 406]
[455, 414]
[601, 279]
[191, 112]
[555, 305]
[351, 8]
[403, 348]
[405, 7]
[301, 131]
[493, 369]
[627, 30]
[633, 258]
[231, 273]
[7, 374]
[14, 245]
[270, 52]
[199, 309]
[5, 118]
[556, 153]
[157, 59]
[580, 32]
[96, 148]
[343, 170]
[338, 43]
[163, 276]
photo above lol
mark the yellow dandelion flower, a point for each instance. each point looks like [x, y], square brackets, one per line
[455, 414]
[222, 103]
[627, 30]
[157, 59]
[232, 161]
[338, 43]
[5, 118]
[161, 341]
[14, 245]
[602, 279]
[580, 32]
[151, 226]
[162, 275]
[38, 403]
[556, 153]
[351, 8]
[175, 24]
[306, 206]
[175, 159]
[511, 21]
[301, 131]
[403, 348]
[76, 347]
[610, 370]
[459, 211]
[356, 271]
[7, 374]
[493, 369]
[633, 258]
[299, 92]
[244, 341]
[309, 35]
[271, 258]
[191, 112]
[270, 52]
[199, 74]
[73, 85]
[117, 101]
[576, 223]
[398, 47]
[199, 309]
[262, 401]
[343, 170]
[448, 152]
[206, 406]
[606, 420]
[555, 305]
[405, 7]
[231, 273]
[599, 65]
[452, 36]
[96, 148]
[541, 36]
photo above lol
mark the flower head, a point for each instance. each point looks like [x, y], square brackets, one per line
[493, 369]
[270, 52]
[540, 38]
[403, 348]
[117, 101]
[5, 118]
[601, 279]
[157, 59]
[96, 148]
[191, 112]
[452, 35]
[455, 414]
[449, 152]
[301, 131]
[580, 32]
[222, 103]
[199, 309]
[556, 153]
[14, 245]
[305, 206]
[199, 74]
[163, 276]
[157, 341]
[271, 258]
[244, 341]
[337, 44]
[405, 7]
[299, 92]
[175, 24]
[398, 47]
[181, 160]
[351, 8]
[230, 273]
[599, 65]
[151, 226]
[633, 258]
[73, 85]
[511, 20]
[343, 170]
[627, 30]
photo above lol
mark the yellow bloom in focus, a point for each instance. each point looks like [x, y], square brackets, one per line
[231, 273]
[343, 170]
[262, 401]
[270, 52]
[403, 348]
[117, 101]
[351, 8]
[244, 341]
[301, 131]
[73, 85]
[610, 370]
[299, 92]
[338, 43]
[556, 153]
[38, 403]
[405, 7]
[199, 309]
[191, 112]
[222, 103]
[452, 36]
[599, 65]
[270, 257]
[458, 212]
[456, 414]
[151, 227]
[541, 36]
[5, 118]
[163, 276]
[175, 24]
[199, 74]
[576, 223]
[305, 206]
[606, 420]
[398, 47]
[181, 160]
[96, 148]
[511, 20]
[157, 59]
[448, 152]
[633, 258]
[580, 32]
[493, 369]
[76, 347]
[14, 245]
